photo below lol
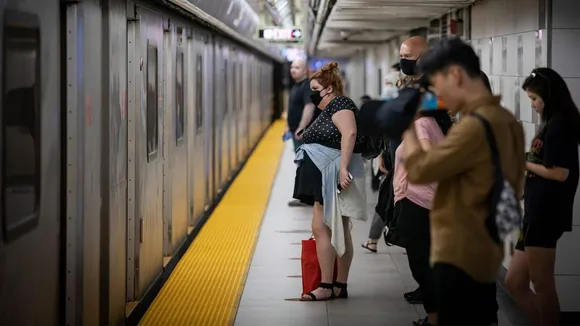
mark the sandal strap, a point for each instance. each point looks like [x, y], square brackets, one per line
[325, 285]
[312, 296]
[340, 285]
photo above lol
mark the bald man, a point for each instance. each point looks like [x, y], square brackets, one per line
[301, 111]
[411, 50]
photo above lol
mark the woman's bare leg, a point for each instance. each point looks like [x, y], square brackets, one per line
[541, 262]
[517, 282]
[345, 261]
[324, 251]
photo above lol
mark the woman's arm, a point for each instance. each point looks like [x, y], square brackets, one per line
[553, 173]
[345, 121]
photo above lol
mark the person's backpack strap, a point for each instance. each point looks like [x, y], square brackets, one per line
[504, 213]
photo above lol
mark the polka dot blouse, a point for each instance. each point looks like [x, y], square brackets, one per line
[323, 131]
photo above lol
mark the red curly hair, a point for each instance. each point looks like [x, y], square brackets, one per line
[329, 75]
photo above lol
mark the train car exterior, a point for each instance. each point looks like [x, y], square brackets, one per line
[122, 124]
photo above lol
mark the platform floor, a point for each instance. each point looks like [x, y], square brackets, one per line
[376, 284]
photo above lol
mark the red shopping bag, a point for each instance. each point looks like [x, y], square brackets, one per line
[311, 275]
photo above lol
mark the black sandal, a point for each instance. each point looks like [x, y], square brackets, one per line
[322, 285]
[366, 246]
[343, 294]
[422, 322]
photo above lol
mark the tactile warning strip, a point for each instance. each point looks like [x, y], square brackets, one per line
[207, 283]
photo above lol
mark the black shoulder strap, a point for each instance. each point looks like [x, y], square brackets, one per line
[497, 186]
[492, 144]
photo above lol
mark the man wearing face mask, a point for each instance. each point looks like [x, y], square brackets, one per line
[411, 50]
[301, 111]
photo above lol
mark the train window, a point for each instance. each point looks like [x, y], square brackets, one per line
[152, 103]
[179, 98]
[199, 93]
[21, 98]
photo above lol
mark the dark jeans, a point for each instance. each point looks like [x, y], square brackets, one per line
[461, 300]
[414, 228]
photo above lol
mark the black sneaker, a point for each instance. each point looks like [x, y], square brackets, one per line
[296, 203]
[414, 297]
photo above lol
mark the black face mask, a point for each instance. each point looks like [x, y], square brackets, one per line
[408, 66]
[316, 98]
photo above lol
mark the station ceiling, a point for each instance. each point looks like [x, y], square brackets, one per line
[355, 24]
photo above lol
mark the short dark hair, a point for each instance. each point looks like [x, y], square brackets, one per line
[485, 80]
[448, 52]
[365, 97]
[396, 66]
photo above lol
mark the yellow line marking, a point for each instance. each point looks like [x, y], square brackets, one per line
[206, 286]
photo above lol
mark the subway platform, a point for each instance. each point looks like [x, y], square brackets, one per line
[244, 264]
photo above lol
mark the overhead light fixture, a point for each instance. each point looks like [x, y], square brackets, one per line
[283, 11]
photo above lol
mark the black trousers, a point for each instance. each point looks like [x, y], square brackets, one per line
[461, 300]
[414, 228]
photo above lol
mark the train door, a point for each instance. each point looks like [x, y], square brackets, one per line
[166, 85]
[191, 95]
[233, 82]
[239, 107]
[225, 88]
[208, 119]
[248, 117]
[198, 157]
[145, 55]
[30, 150]
[218, 114]
[243, 85]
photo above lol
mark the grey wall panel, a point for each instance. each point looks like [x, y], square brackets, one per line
[114, 163]
[92, 160]
[29, 283]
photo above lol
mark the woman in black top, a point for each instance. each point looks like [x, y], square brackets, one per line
[551, 182]
[336, 128]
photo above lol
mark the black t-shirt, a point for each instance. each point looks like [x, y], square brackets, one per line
[299, 97]
[323, 131]
[549, 203]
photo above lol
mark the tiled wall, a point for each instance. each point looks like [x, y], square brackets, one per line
[364, 66]
[511, 38]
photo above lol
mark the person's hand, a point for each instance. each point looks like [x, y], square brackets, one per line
[298, 134]
[382, 165]
[344, 178]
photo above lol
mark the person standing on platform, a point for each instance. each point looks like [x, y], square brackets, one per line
[465, 253]
[411, 50]
[550, 188]
[301, 111]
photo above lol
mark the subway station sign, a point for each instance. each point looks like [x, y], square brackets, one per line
[277, 34]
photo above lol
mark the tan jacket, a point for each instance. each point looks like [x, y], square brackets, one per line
[461, 164]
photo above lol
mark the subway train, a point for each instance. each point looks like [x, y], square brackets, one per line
[122, 124]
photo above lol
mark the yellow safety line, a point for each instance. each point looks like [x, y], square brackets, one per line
[206, 286]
